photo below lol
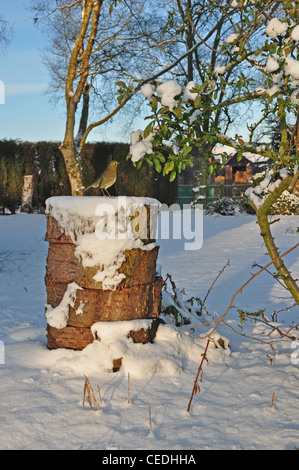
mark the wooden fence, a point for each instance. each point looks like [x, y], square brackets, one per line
[212, 192]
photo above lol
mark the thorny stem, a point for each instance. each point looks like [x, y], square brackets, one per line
[275, 328]
[213, 283]
[235, 295]
[195, 386]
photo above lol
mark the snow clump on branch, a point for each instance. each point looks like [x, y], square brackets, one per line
[140, 145]
[276, 27]
[272, 63]
[148, 90]
[278, 66]
[220, 69]
[295, 33]
[258, 194]
[188, 95]
[292, 67]
[167, 91]
[231, 38]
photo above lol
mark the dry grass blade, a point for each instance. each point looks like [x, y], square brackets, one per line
[150, 417]
[88, 388]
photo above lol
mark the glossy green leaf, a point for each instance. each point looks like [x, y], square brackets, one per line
[157, 164]
[172, 175]
[168, 167]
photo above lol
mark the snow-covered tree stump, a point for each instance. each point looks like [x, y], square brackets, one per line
[101, 267]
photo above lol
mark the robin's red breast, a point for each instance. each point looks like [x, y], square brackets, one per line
[106, 179]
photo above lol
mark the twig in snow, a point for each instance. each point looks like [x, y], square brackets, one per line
[287, 309]
[213, 283]
[271, 274]
[196, 387]
[150, 417]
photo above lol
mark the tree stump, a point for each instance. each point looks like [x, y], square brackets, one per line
[90, 278]
[27, 193]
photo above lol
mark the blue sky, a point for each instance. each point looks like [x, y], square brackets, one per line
[27, 113]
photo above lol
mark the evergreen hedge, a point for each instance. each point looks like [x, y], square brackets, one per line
[44, 161]
[11, 175]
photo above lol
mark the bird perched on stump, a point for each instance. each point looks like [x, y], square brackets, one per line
[107, 179]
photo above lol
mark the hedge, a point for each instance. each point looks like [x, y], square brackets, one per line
[44, 161]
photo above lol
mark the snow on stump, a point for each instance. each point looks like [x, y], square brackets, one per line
[101, 267]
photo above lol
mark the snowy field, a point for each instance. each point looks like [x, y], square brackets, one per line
[248, 395]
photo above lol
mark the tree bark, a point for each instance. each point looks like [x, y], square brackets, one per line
[263, 222]
[84, 116]
[71, 157]
[202, 175]
[79, 65]
[27, 194]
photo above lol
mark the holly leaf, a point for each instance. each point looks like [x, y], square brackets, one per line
[172, 175]
[157, 164]
[147, 130]
[186, 150]
[168, 167]
[197, 102]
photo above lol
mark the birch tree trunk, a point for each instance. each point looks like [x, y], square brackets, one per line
[202, 174]
[71, 156]
[75, 87]
[27, 194]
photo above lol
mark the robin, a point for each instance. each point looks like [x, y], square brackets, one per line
[107, 178]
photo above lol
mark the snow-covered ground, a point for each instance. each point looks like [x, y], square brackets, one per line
[41, 391]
